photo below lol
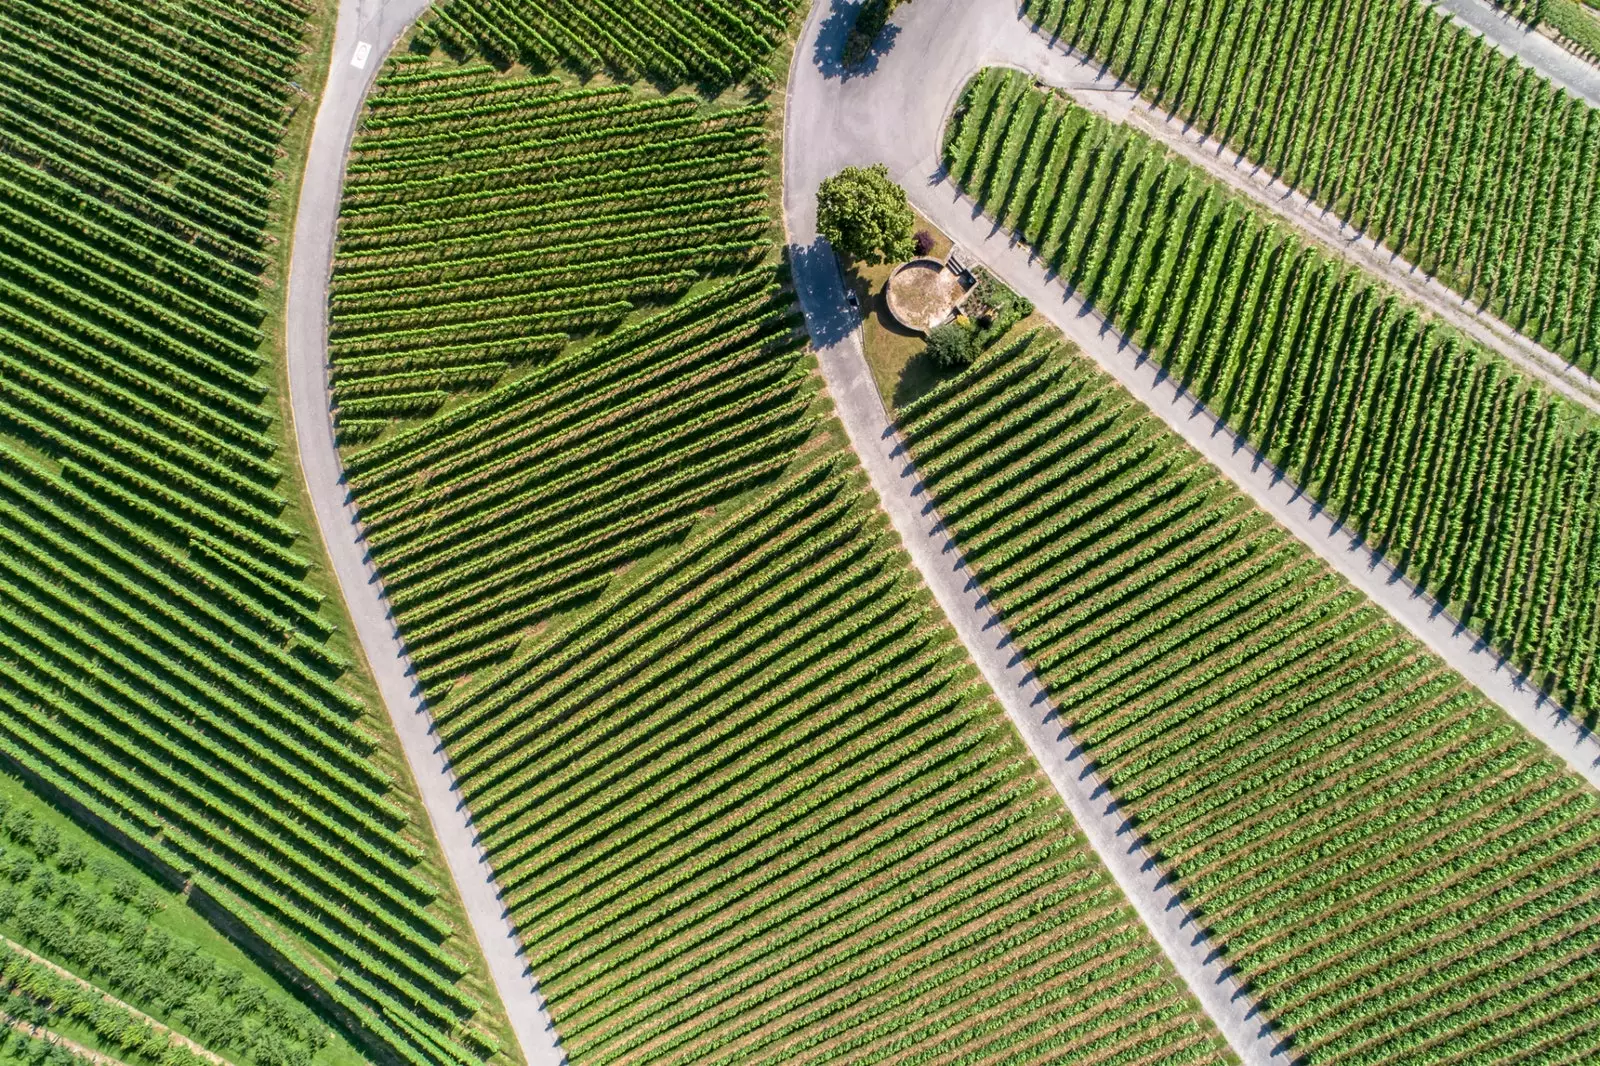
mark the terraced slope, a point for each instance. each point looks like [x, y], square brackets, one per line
[1476, 482]
[1400, 874]
[1415, 130]
[167, 666]
[673, 42]
[756, 808]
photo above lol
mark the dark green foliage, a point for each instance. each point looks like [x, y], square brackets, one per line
[866, 216]
[871, 17]
[952, 345]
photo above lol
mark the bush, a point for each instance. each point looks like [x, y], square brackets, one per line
[952, 345]
[924, 242]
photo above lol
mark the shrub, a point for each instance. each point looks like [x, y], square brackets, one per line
[952, 345]
[924, 242]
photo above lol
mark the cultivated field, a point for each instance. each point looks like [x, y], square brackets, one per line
[758, 809]
[97, 953]
[1478, 483]
[744, 797]
[488, 218]
[1400, 874]
[708, 42]
[167, 665]
[1453, 154]
[490, 519]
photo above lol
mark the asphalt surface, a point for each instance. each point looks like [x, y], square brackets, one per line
[1578, 76]
[378, 24]
[894, 113]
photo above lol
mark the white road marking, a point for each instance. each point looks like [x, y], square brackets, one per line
[359, 60]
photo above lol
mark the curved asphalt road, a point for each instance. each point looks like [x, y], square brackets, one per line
[367, 30]
[895, 114]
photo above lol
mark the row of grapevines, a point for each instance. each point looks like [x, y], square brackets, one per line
[1413, 128]
[759, 809]
[1400, 874]
[531, 496]
[1478, 483]
[487, 220]
[165, 659]
[675, 42]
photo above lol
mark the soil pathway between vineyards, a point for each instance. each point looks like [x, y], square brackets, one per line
[367, 30]
[895, 114]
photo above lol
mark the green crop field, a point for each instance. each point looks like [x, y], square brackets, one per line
[708, 42]
[170, 668]
[1482, 485]
[1401, 874]
[87, 939]
[489, 519]
[1418, 132]
[744, 797]
[758, 809]
[486, 218]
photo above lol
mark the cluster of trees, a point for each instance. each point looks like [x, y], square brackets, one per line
[1396, 871]
[97, 922]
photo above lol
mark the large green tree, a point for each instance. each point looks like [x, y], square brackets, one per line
[866, 216]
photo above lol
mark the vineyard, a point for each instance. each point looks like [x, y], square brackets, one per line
[1415, 130]
[488, 219]
[527, 500]
[1400, 874]
[759, 809]
[170, 670]
[674, 42]
[1484, 488]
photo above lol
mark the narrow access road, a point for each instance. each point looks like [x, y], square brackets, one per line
[1532, 48]
[367, 30]
[895, 114]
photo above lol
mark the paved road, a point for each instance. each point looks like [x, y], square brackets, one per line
[895, 114]
[902, 106]
[370, 28]
[1578, 76]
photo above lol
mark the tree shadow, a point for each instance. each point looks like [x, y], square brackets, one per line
[818, 283]
[833, 39]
